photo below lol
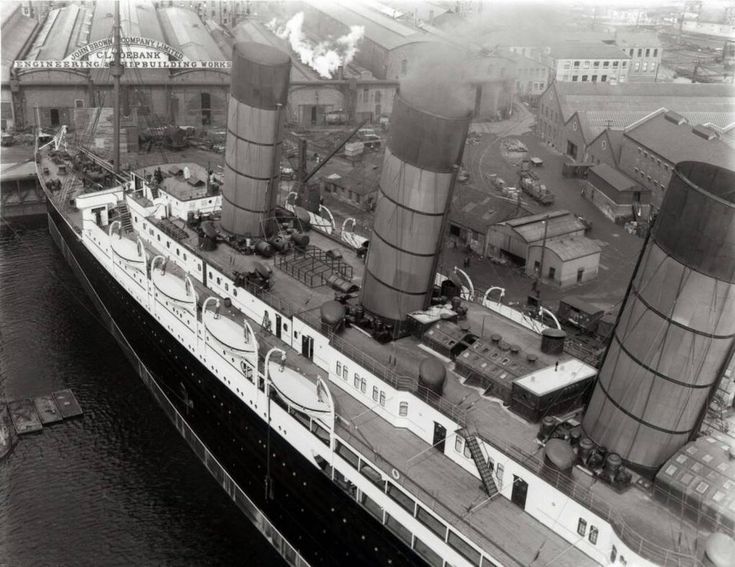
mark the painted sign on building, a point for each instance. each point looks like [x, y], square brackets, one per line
[135, 53]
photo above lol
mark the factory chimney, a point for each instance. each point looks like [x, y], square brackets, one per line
[419, 172]
[258, 93]
[676, 330]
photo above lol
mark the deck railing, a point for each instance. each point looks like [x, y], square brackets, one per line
[630, 535]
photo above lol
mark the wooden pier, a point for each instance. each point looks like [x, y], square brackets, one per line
[47, 410]
[24, 416]
[21, 417]
[67, 404]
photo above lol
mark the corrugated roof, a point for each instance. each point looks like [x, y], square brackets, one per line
[600, 105]
[379, 29]
[57, 37]
[587, 50]
[184, 30]
[478, 210]
[137, 18]
[679, 143]
[255, 31]
[572, 248]
[615, 178]
[17, 30]
[531, 228]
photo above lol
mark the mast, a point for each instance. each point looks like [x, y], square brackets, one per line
[116, 70]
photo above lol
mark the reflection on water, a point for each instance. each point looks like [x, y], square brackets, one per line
[119, 486]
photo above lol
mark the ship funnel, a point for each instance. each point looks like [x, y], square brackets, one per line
[416, 185]
[676, 330]
[258, 93]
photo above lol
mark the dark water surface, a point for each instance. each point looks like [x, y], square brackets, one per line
[118, 486]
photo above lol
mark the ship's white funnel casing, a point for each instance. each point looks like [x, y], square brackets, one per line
[676, 329]
[416, 185]
[258, 93]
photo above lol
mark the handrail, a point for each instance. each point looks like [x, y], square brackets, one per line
[430, 500]
[629, 535]
[391, 377]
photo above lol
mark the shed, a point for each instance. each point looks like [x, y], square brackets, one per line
[618, 196]
[472, 214]
[514, 237]
[552, 390]
[575, 311]
[448, 339]
[566, 261]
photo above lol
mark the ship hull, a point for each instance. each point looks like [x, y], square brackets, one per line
[308, 517]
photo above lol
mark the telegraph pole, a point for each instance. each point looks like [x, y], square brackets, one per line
[543, 252]
[116, 70]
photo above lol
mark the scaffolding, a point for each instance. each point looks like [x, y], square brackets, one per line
[315, 267]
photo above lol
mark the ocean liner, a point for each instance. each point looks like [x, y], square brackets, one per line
[360, 408]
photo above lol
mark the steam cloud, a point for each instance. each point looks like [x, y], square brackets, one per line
[324, 57]
[438, 81]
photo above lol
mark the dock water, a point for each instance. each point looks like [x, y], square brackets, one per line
[26, 416]
[8, 436]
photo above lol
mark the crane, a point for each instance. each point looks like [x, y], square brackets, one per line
[310, 199]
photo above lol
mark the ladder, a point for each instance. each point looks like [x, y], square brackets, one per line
[485, 473]
[125, 221]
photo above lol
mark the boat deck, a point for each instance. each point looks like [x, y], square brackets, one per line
[499, 525]
[634, 510]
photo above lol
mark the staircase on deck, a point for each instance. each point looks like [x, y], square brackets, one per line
[485, 473]
[124, 217]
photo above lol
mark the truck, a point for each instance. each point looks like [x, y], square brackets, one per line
[532, 186]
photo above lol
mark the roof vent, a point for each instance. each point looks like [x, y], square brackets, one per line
[704, 132]
[675, 117]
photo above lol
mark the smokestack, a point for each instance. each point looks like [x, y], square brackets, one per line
[258, 93]
[419, 170]
[676, 330]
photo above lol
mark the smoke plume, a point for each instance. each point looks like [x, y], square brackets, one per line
[324, 57]
[439, 81]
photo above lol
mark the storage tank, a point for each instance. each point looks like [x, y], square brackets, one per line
[416, 185]
[676, 329]
[258, 93]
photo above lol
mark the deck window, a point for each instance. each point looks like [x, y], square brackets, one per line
[371, 506]
[322, 434]
[356, 382]
[403, 409]
[403, 533]
[347, 455]
[582, 527]
[372, 475]
[431, 522]
[458, 444]
[463, 548]
[339, 368]
[426, 553]
[405, 501]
